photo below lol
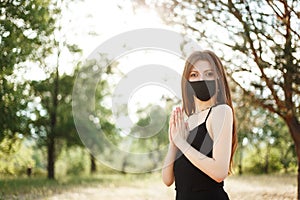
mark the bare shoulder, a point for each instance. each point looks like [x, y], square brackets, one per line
[222, 110]
[223, 107]
[221, 120]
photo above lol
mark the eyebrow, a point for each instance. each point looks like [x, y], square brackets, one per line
[195, 70]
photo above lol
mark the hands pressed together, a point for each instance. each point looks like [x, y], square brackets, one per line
[178, 128]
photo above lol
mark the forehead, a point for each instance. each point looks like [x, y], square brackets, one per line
[202, 65]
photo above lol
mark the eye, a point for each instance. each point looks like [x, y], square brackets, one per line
[209, 74]
[193, 74]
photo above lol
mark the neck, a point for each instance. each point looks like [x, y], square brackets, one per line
[204, 105]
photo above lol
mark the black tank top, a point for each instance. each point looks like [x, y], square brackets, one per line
[189, 178]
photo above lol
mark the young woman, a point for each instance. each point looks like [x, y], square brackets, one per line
[201, 148]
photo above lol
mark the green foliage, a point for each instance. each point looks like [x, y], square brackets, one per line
[15, 158]
[145, 129]
[13, 119]
[263, 160]
[258, 43]
[65, 128]
[24, 27]
[149, 135]
[264, 143]
[92, 115]
[73, 161]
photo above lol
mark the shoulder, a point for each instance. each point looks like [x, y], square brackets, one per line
[222, 111]
[221, 120]
[222, 108]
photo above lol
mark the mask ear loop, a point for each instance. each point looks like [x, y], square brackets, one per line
[218, 89]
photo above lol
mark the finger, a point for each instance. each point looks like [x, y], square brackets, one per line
[178, 112]
[179, 121]
[172, 117]
[176, 117]
[170, 137]
[181, 114]
[170, 126]
[170, 134]
[181, 118]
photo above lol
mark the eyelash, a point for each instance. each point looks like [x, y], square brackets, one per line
[207, 74]
[210, 74]
[193, 74]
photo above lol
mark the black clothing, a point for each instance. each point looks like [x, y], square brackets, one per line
[190, 182]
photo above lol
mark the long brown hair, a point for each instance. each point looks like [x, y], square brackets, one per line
[223, 94]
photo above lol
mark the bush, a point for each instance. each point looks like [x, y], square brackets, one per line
[73, 161]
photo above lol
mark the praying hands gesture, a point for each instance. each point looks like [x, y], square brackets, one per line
[178, 129]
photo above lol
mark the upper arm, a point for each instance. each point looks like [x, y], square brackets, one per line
[221, 126]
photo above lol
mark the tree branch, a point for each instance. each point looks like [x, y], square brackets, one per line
[271, 4]
[258, 60]
[256, 31]
[289, 60]
[257, 101]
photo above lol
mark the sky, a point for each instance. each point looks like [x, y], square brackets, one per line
[105, 19]
[90, 23]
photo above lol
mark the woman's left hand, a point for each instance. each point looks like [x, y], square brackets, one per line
[179, 128]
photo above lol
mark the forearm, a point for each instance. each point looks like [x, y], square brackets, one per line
[216, 169]
[167, 170]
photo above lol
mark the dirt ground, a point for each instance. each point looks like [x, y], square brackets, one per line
[251, 187]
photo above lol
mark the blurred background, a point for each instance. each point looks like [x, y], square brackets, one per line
[44, 45]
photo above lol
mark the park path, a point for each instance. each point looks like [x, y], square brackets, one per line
[237, 188]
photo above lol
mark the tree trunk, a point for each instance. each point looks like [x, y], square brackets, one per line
[266, 167]
[124, 165]
[294, 128]
[51, 157]
[52, 134]
[93, 164]
[240, 165]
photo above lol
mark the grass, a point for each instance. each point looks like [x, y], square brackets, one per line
[137, 186]
[36, 187]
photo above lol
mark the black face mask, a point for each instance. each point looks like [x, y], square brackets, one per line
[204, 90]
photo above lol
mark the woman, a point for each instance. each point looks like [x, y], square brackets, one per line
[201, 148]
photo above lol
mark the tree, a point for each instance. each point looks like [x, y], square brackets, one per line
[245, 120]
[269, 145]
[24, 25]
[55, 94]
[56, 44]
[150, 132]
[94, 120]
[44, 130]
[263, 38]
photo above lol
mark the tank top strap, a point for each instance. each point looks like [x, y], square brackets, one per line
[207, 114]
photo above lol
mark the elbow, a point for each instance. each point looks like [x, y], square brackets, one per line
[168, 177]
[168, 182]
[220, 177]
